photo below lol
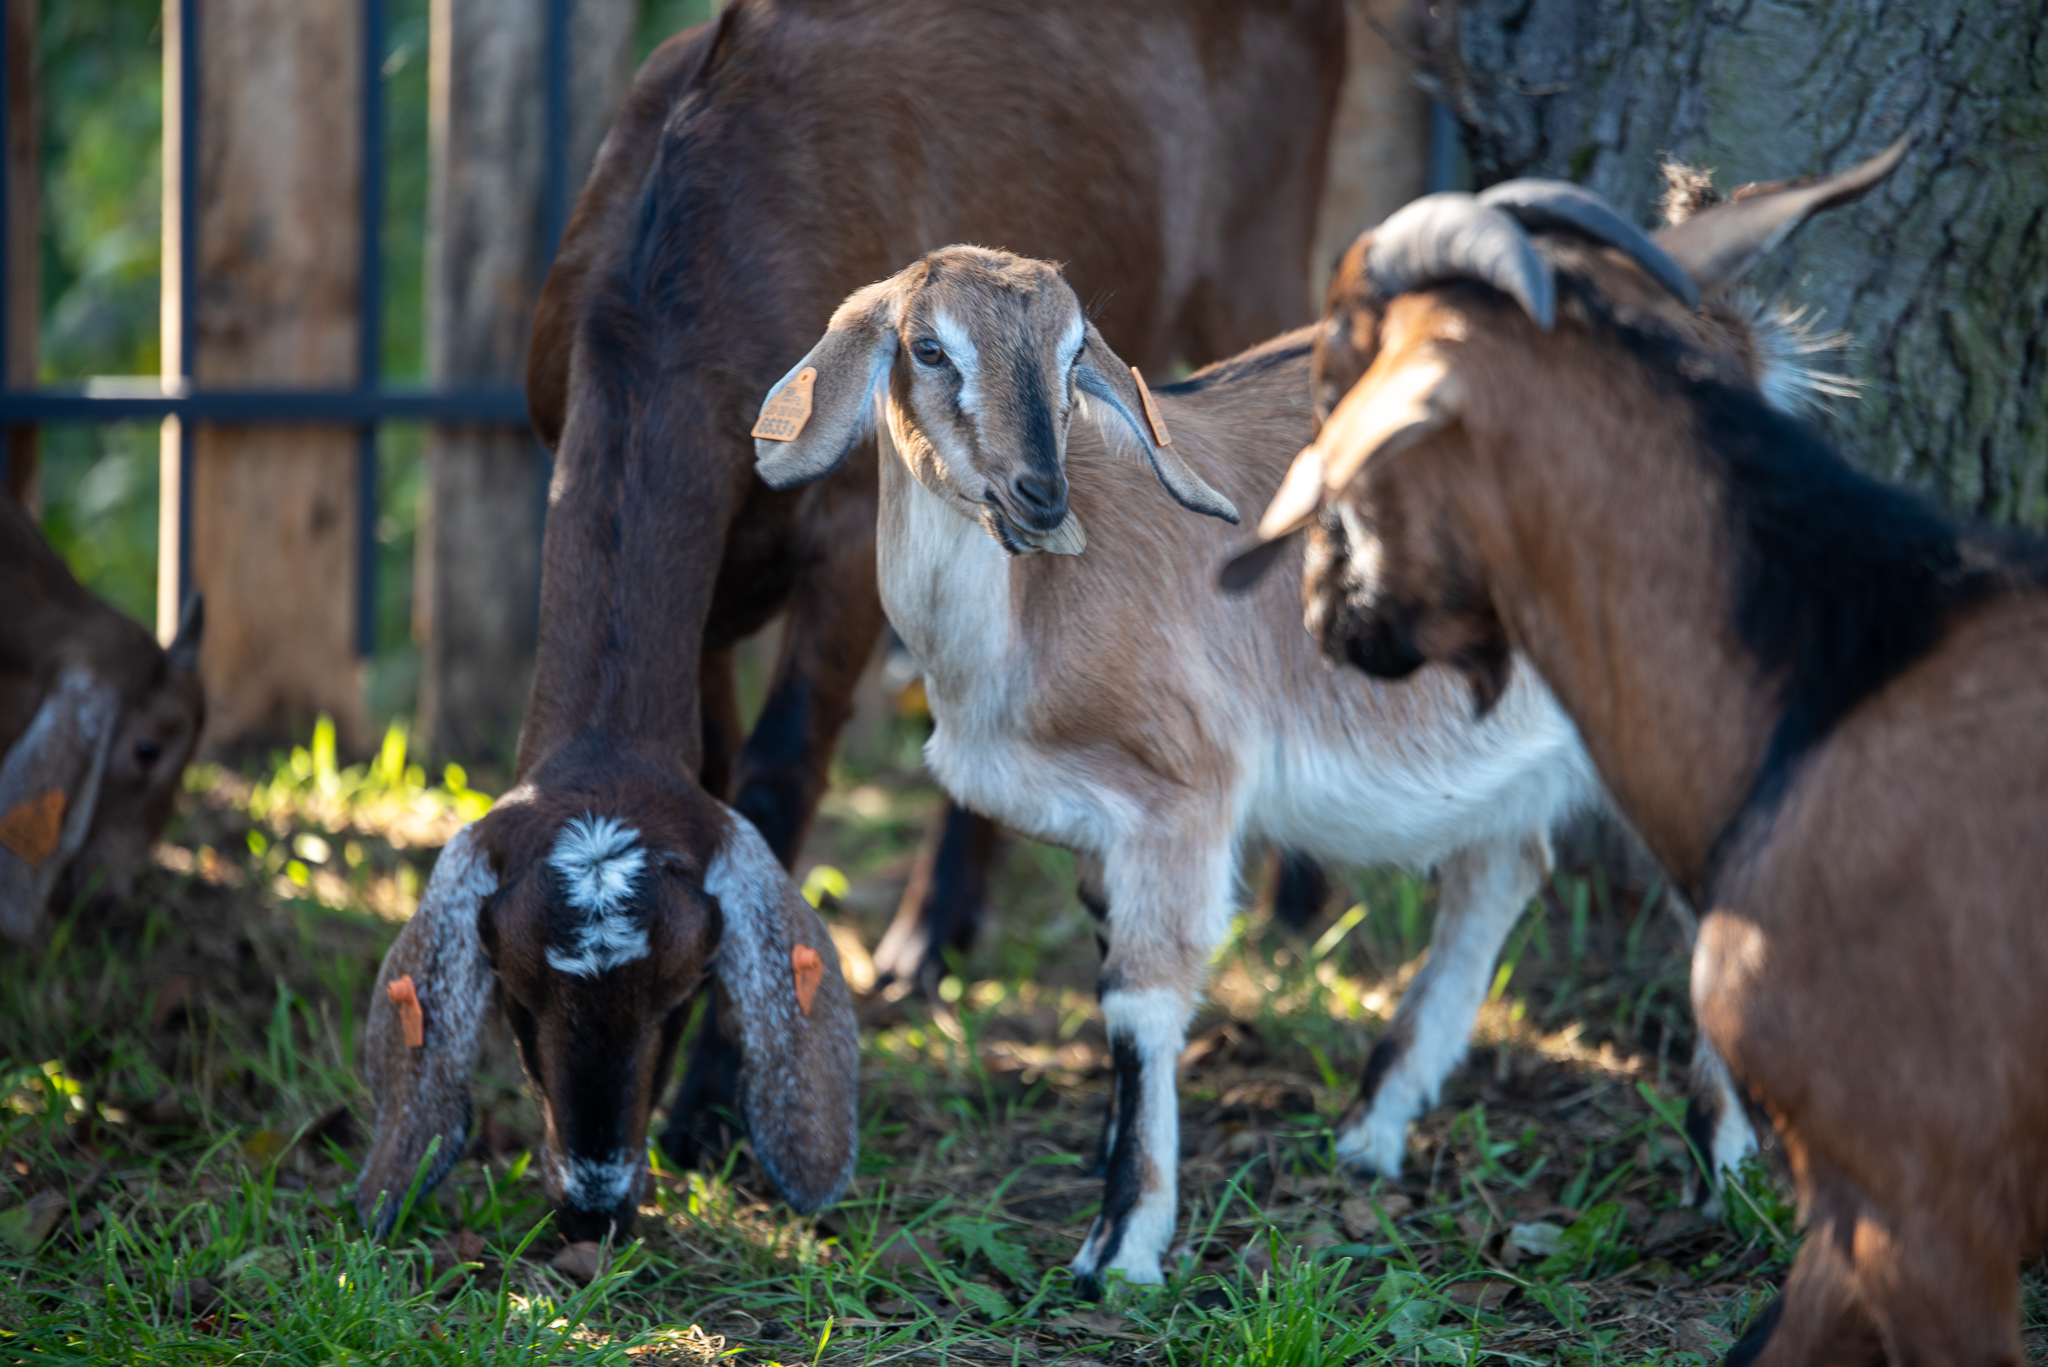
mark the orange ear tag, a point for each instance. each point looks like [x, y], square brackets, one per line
[783, 416]
[411, 1019]
[810, 971]
[1159, 437]
[33, 827]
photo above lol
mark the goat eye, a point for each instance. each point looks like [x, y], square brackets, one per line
[147, 752]
[928, 352]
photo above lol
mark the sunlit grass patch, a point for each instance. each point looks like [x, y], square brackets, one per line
[180, 1110]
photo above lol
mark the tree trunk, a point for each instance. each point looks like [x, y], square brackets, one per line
[1379, 144]
[274, 508]
[476, 585]
[1941, 276]
[24, 276]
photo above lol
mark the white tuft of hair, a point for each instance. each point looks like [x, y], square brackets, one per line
[1786, 339]
[600, 860]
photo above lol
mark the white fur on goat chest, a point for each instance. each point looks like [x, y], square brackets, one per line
[945, 585]
[1323, 774]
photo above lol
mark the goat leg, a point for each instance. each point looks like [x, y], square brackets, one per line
[943, 903]
[1484, 889]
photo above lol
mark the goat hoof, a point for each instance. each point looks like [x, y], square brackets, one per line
[1087, 1286]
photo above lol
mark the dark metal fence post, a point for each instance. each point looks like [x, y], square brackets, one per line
[370, 311]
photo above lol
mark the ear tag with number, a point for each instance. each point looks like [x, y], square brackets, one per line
[1159, 437]
[32, 828]
[784, 415]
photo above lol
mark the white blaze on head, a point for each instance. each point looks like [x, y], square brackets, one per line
[966, 359]
[600, 861]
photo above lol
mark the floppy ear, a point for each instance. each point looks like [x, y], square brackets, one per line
[49, 784]
[1716, 246]
[800, 1058]
[1102, 375]
[818, 412]
[1382, 413]
[423, 1090]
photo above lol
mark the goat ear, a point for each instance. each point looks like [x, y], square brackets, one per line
[825, 405]
[184, 646]
[787, 1006]
[422, 1091]
[1382, 413]
[49, 785]
[1102, 375]
[1717, 246]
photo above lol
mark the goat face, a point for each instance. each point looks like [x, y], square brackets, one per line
[598, 952]
[597, 934]
[981, 360]
[1384, 583]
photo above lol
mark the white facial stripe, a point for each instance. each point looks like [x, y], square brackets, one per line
[600, 861]
[966, 359]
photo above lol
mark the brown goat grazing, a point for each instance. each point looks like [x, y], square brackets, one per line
[764, 166]
[96, 723]
[1818, 700]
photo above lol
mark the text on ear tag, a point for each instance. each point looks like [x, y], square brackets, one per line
[33, 827]
[810, 971]
[411, 1019]
[1159, 437]
[783, 416]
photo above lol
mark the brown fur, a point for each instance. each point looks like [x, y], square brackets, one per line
[51, 625]
[765, 165]
[1871, 949]
[1111, 701]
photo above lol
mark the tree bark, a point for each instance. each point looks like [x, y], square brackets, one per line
[1379, 143]
[1941, 276]
[274, 508]
[476, 583]
[24, 276]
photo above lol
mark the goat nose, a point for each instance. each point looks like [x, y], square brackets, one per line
[1041, 498]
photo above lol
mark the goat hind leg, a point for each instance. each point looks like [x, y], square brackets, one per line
[1717, 1127]
[943, 904]
[1483, 891]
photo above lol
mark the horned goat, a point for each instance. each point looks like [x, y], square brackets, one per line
[1105, 698]
[1819, 701]
[96, 723]
[763, 166]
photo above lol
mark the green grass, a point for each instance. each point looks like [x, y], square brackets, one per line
[179, 1113]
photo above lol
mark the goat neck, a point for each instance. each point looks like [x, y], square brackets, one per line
[1512, 526]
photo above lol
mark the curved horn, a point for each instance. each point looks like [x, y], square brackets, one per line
[1717, 245]
[1546, 204]
[1453, 236]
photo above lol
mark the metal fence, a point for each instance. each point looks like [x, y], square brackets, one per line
[370, 402]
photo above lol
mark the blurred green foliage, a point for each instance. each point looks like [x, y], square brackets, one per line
[100, 65]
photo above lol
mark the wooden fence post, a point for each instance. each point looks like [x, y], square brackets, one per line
[1379, 145]
[477, 576]
[24, 276]
[273, 507]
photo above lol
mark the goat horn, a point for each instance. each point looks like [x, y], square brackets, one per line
[1717, 245]
[1453, 236]
[1541, 205]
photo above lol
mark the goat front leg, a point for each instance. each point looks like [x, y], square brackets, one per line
[1717, 1126]
[1482, 892]
[1168, 909]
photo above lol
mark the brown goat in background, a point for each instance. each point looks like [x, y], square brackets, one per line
[765, 166]
[96, 723]
[1819, 701]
